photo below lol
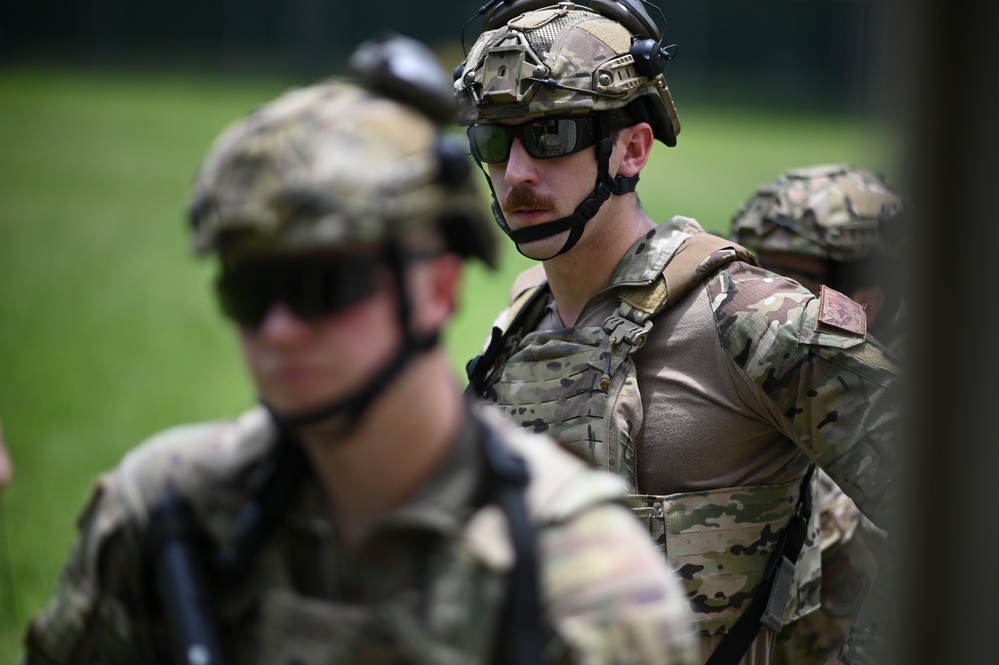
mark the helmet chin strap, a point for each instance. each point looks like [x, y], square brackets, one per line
[348, 411]
[585, 211]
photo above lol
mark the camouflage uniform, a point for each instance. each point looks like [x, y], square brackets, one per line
[711, 399]
[717, 412]
[431, 579]
[405, 596]
[835, 213]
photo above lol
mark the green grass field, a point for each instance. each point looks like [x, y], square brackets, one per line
[108, 330]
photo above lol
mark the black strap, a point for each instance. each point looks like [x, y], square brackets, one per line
[741, 635]
[477, 369]
[483, 370]
[181, 564]
[522, 617]
[263, 512]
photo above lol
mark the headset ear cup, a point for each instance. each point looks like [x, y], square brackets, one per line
[650, 61]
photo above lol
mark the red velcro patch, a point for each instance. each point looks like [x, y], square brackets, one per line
[838, 311]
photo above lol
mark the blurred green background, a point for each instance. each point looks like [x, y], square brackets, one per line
[108, 327]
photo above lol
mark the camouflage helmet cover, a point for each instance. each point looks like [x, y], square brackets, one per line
[835, 212]
[512, 71]
[328, 165]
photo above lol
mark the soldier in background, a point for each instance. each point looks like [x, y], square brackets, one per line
[836, 226]
[365, 512]
[659, 352]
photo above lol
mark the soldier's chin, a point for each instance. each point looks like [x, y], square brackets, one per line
[545, 248]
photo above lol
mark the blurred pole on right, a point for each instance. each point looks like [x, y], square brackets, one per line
[940, 69]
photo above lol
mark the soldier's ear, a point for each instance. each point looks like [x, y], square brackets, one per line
[437, 281]
[635, 143]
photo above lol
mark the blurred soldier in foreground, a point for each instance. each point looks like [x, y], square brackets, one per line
[365, 513]
[838, 226]
[657, 351]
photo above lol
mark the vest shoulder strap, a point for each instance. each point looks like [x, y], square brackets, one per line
[524, 312]
[697, 258]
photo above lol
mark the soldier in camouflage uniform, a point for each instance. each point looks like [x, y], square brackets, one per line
[659, 352]
[837, 225]
[365, 512]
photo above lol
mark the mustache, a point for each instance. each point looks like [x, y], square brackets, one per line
[522, 197]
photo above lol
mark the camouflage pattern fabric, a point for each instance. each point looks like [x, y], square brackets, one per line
[832, 212]
[806, 354]
[784, 339]
[845, 374]
[427, 586]
[587, 54]
[720, 543]
[851, 548]
[836, 213]
[579, 386]
[327, 165]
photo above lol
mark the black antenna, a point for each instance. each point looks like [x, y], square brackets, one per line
[484, 9]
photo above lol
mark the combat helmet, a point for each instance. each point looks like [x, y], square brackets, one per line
[535, 59]
[836, 212]
[344, 161]
[340, 165]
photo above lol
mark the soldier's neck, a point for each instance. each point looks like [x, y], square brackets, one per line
[397, 446]
[576, 276]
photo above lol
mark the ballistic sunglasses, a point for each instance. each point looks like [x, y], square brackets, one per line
[311, 287]
[544, 138]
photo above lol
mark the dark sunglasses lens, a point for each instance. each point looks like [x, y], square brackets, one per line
[490, 143]
[542, 139]
[323, 288]
[555, 137]
[243, 296]
[311, 288]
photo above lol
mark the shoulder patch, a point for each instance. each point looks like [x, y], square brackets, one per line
[838, 311]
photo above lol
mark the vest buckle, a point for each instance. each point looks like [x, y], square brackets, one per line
[621, 329]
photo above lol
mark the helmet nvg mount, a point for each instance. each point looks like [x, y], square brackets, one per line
[835, 212]
[535, 59]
